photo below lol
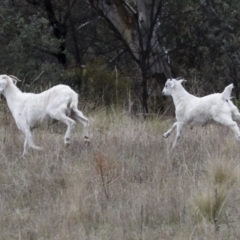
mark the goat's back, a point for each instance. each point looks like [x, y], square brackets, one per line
[203, 109]
[37, 107]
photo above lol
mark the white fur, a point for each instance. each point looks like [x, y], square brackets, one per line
[194, 110]
[29, 109]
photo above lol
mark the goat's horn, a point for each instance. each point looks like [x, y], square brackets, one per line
[11, 76]
[179, 78]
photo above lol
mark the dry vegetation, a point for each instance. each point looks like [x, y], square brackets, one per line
[125, 185]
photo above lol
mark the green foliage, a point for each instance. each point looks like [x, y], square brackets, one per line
[211, 200]
[236, 102]
[28, 45]
[107, 86]
[211, 204]
[205, 51]
[100, 85]
[206, 48]
[222, 172]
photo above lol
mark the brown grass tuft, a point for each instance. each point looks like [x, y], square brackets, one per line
[222, 171]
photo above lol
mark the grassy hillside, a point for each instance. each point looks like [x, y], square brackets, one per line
[125, 185]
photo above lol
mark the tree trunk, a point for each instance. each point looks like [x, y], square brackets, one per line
[59, 31]
[137, 29]
[59, 28]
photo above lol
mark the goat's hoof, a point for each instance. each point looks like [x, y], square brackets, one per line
[67, 142]
[87, 140]
[165, 135]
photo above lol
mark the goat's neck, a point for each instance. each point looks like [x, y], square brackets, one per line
[180, 96]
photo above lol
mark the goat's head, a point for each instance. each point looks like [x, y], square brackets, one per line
[5, 80]
[170, 84]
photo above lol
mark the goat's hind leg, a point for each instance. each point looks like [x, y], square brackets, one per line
[228, 122]
[60, 116]
[166, 134]
[78, 116]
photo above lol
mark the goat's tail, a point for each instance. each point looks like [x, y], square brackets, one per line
[74, 101]
[226, 94]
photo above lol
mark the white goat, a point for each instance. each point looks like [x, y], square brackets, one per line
[29, 109]
[194, 110]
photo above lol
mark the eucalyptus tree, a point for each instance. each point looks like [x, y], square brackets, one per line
[138, 25]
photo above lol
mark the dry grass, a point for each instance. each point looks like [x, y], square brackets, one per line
[125, 185]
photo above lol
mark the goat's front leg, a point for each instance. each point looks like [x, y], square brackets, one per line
[166, 134]
[180, 126]
[28, 142]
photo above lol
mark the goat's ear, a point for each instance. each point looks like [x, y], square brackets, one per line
[3, 84]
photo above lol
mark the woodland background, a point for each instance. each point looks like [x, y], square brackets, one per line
[121, 52]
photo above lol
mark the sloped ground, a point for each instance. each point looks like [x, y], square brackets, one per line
[125, 185]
